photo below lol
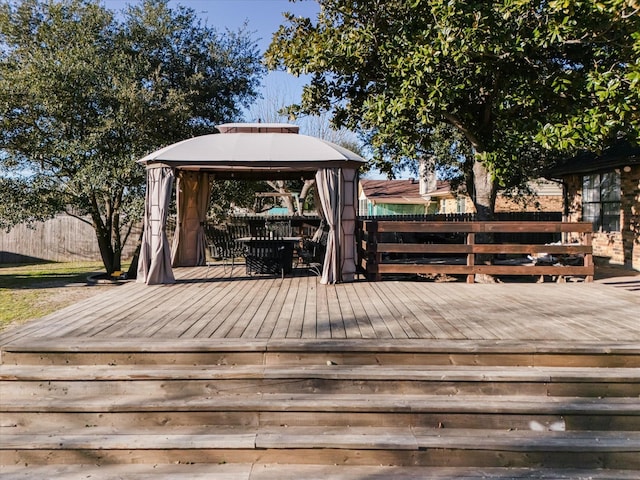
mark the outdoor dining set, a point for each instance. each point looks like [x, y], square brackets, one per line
[270, 250]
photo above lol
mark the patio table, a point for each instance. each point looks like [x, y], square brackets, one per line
[269, 255]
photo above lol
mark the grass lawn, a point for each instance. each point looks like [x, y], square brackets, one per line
[32, 291]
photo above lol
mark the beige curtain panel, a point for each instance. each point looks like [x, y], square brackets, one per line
[154, 265]
[327, 182]
[349, 202]
[336, 188]
[192, 199]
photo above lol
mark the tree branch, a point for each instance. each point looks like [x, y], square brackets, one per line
[469, 135]
[76, 216]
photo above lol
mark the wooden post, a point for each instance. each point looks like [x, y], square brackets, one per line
[359, 252]
[588, 257]
[377, 256]
[471, 256]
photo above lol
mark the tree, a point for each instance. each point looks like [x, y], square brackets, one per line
[83, 95]
[272, 109]
[519, 81]
[227, 195]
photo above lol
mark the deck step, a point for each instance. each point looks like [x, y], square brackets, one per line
[248, 471]
[360, 445]
[365, 438]
[167, 380]
[277, 402]
[139, 351]
[458, 411]
[343, 410]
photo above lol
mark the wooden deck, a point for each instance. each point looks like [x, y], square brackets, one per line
[271, 379]
[207, 303]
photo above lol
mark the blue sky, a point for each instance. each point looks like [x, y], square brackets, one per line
[262, 17]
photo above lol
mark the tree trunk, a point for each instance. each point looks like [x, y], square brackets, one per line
[106, 235]
[104, 245]
[287, 200]
[484, 200]
[484, 192]
[427, 175]
[308, 184]
[116, 242]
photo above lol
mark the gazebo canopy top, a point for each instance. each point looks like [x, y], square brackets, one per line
[254, 150]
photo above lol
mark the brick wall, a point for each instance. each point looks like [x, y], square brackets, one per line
[630, 221]
[609, 246]
[546, 203]
[620, 248]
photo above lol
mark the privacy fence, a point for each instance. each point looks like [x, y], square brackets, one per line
[60, 239]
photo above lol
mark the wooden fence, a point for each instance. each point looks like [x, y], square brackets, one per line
[60, 239]
[409, 247]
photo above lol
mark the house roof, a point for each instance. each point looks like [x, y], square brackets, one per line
[408, 191]
[618, 155]
[443, 189]
[398, 191]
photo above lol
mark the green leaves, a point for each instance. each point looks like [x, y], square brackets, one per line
[520, 81]
[84, 94]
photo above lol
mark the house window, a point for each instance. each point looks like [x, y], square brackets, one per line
[364, 207]
[601, 201]
[461, 205]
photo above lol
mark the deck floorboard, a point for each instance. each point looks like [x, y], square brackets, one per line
[207, 303]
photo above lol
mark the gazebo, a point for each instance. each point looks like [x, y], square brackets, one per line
[243, 151]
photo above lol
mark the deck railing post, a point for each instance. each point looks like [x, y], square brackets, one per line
[588, 257]
[471, 256]
[359, 252]
[374, 238]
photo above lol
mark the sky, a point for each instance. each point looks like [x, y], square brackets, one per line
[263, 17]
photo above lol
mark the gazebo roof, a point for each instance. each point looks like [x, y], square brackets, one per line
[265, 151]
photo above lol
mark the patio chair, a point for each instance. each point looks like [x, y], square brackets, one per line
[312, 252]
[224, 247]
[266, 255]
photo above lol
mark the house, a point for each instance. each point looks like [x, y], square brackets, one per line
[391, 197]
[403, 197]
[605, 189]
[546, 197]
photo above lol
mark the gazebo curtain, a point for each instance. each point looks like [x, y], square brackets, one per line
[348, 217]
[336, 189]
[154, 264]
[192, 200]
[327, 182]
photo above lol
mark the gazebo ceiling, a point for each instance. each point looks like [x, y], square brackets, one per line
[254, 151]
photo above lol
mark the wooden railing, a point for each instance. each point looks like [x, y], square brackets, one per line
[383, 244]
